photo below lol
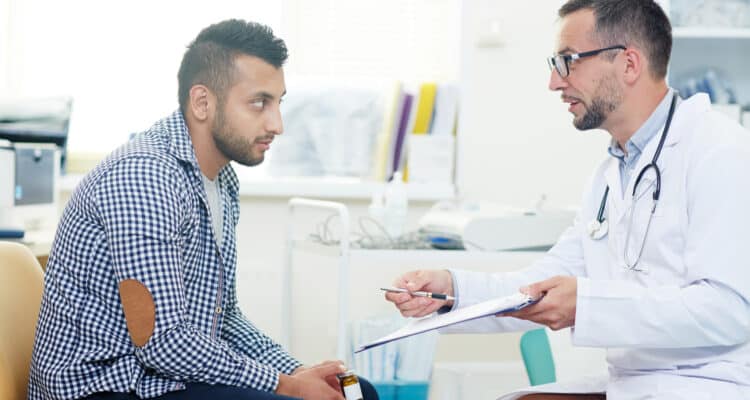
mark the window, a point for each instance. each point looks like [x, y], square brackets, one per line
[119, 60]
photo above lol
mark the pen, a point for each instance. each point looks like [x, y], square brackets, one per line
[431, 295]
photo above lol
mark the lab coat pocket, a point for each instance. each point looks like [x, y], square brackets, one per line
[653, 239]
[681, 395]
[644, 198]
[638, 228]
[645, 187]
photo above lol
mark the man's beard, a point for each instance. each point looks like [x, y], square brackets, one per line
[233, 146]
[601, 106]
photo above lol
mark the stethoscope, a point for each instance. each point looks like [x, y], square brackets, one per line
[599, 227]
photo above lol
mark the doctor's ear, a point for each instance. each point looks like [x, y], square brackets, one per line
[200, 102]
[635, 64]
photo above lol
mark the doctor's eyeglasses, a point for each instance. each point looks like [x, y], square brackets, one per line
[561, 62]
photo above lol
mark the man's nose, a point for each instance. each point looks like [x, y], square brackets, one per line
[274, 124]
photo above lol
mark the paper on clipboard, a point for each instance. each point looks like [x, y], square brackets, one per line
[490, 307]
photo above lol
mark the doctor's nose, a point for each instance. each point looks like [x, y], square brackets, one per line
[556, 82]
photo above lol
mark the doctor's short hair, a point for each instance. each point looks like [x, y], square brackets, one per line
[209, 59]
[639, 23]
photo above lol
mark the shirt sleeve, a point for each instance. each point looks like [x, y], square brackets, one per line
[142, 206]
[246, 339]
[712, 309]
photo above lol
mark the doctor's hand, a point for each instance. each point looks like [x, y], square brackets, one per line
[557, 309]
[436, 281]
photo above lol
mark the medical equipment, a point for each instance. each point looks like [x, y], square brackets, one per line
[7, 190]
[599, 227]
[491, 227]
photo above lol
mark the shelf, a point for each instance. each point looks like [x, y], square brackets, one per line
[447, 257]
[338, 188]
[322, 188]
[710, 33]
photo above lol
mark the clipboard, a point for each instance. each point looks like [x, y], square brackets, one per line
[510, 303]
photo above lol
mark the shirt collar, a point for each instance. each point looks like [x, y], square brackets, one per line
[181, 146]
[645, 133]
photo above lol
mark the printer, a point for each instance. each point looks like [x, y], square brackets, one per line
[485, 226]
[33, 135]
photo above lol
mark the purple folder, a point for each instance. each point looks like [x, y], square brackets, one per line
[402, 126]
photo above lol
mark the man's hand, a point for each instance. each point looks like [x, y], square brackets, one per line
[314, 382]
[332, 380]
[557, 309]
[422, 280]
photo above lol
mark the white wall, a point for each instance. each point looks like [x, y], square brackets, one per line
[4, 44]
[516, 138]
[410, 40]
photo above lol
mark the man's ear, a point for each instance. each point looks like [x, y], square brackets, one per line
[635, 65]
[200, 102]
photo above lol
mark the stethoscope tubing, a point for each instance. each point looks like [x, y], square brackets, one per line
[652, 164]
[600, 218]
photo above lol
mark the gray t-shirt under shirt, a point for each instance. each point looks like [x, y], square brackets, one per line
[215, 206]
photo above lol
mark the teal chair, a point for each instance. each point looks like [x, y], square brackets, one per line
[537, 357]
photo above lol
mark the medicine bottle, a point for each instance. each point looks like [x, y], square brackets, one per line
[350, 385]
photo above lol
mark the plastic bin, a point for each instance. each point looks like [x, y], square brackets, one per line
[402, 390]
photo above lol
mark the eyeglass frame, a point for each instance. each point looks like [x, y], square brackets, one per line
[565, 59]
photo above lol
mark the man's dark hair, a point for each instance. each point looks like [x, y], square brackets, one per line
[209, 59]
[639, 23]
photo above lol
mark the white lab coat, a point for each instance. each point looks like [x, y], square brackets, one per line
[681, 328]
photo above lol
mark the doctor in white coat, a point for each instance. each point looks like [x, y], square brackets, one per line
[656, 267]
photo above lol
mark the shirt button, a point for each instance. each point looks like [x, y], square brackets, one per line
[218, 310]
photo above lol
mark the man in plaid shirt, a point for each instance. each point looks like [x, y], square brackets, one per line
[139, 296]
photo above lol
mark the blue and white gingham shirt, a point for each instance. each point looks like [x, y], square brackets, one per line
[142, 214]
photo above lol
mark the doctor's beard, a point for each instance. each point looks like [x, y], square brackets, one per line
[606, 100]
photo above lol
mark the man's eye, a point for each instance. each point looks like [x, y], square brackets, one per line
[259, 104]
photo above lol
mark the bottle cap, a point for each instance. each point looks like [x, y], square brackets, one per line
[348, 372]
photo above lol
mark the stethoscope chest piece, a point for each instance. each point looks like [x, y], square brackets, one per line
[598, 230]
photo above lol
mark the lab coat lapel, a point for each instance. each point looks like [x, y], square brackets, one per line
[615, 199]
[681, 121]
[649, 178]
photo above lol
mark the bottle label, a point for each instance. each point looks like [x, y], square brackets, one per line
[353, 392]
